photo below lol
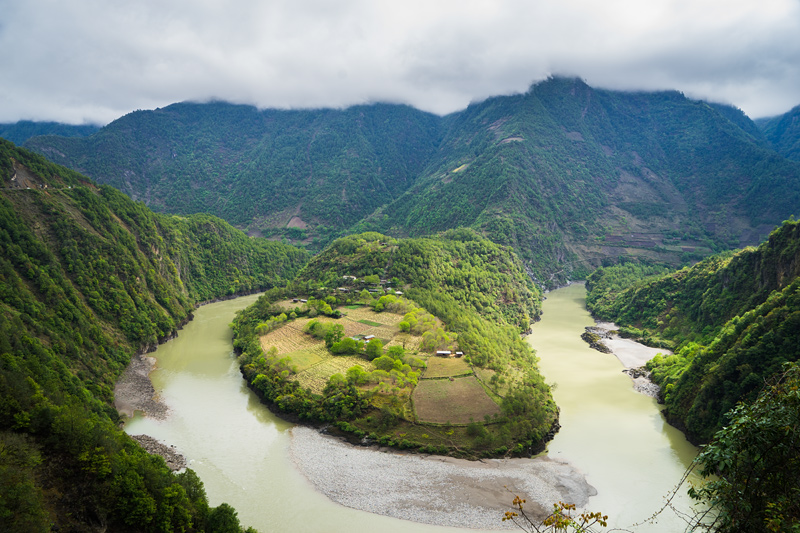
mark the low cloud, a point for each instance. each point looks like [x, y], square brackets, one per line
[95, 60]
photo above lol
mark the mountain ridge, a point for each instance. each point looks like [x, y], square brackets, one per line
[568, 175]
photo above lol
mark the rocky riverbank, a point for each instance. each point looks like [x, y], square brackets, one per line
[434, 489]
[174, 460]
[134, 391]
[631, 354]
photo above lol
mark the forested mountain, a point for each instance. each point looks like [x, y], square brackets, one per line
[19, 132]
[566, 174]
[305, 173]
[733, 319]
[88, 278]
[783, 132]
[460, 291]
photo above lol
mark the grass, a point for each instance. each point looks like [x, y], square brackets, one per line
[303, 359]
[442, 367]
[458, 401]
[370, 323]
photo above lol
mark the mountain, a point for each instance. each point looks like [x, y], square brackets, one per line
[783, 132]
[88, 278]
[733, 319]
[19, 132]
[569, 175]
[303, 173]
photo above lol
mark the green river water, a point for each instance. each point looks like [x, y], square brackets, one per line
[240, 450]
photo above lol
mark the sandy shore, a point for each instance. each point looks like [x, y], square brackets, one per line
[433, 489]
[633, 356]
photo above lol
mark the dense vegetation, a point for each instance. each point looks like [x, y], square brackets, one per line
[753, 464]
[481, 294]
[88, 278]
[566, 174]
[258, 169]
[733, 320]
[21, 131]
[783, 132]
[569, 174]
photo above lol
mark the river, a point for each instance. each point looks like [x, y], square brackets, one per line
[613, 434]
[241, 450]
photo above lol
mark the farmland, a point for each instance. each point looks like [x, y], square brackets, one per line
[438, 398]
[452, 401]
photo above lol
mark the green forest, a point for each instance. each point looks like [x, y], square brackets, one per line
[87, 279]
[568, 175]
[732, 321]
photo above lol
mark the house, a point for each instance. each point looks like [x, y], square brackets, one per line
[295, 300]
[343, 289]
[459, 354]
[369, 337]
[444, 353]
[398, 293]
[303, 301]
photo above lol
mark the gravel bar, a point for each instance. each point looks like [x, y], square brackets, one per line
[434, 489]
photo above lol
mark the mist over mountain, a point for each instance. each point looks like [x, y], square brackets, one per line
[568, 175]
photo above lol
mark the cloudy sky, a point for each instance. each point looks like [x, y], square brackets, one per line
[91, 61]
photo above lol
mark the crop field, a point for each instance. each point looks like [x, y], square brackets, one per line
[316, 376]
[314, 364]
[364, 321]
[442, 367]
[287, 304]
[365, 313]
[304, 359]
[410, 343]
[288, 338]
[458, 401]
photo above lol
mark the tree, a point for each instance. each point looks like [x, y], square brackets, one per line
[753, 464]
[345, 346]
[560, 520]
[374, 349]
[333, 335]
[223, 519]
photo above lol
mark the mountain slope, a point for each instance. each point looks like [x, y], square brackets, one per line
[569, 174]
[734, 320]
[264, 170]
[19, 132]
[88, 278]
[784, 133]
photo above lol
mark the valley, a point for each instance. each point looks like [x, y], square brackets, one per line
[401, 260]
[570, 176]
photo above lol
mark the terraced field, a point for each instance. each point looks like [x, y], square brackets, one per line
[313, 364]
[315, 377]
[456, 401]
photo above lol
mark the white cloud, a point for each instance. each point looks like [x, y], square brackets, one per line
[95, 60]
